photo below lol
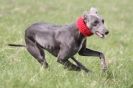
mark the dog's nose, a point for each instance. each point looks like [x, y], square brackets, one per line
[107, 32]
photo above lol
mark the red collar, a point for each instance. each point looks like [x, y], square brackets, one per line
[84, 30]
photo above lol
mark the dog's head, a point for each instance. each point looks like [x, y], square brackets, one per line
[95, 22]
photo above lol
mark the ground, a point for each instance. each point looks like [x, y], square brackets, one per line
[18, 69]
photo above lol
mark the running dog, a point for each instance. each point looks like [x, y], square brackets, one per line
[64, 41]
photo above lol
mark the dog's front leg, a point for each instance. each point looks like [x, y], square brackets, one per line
[63, 59]
[80, 65]
[89, 52]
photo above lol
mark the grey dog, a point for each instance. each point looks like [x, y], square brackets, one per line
[64, 41]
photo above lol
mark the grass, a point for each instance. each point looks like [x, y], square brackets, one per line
[18, 69]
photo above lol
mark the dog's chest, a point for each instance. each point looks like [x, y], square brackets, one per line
[81, 44]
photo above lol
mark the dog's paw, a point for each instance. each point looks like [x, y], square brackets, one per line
[104, 69]
[45, 65]
[103, 66]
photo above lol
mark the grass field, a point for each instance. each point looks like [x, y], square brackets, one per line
[18, 69]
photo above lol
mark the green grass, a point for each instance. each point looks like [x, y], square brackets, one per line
[18, 69]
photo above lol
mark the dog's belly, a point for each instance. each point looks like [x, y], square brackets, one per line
[49, 44]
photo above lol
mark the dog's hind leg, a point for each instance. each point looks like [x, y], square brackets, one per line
[37, 52]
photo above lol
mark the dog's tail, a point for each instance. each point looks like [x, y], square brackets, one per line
[16, 45]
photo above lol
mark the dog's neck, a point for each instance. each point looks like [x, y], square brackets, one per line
[82, 27]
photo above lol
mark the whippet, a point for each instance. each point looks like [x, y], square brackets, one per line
[64, 41]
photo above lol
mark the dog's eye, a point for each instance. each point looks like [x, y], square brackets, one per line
[102, 21]
[95, 22]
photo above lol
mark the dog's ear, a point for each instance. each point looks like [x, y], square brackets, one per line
[93, 10]
[85, 15]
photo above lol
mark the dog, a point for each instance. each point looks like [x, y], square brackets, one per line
[64, 41]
